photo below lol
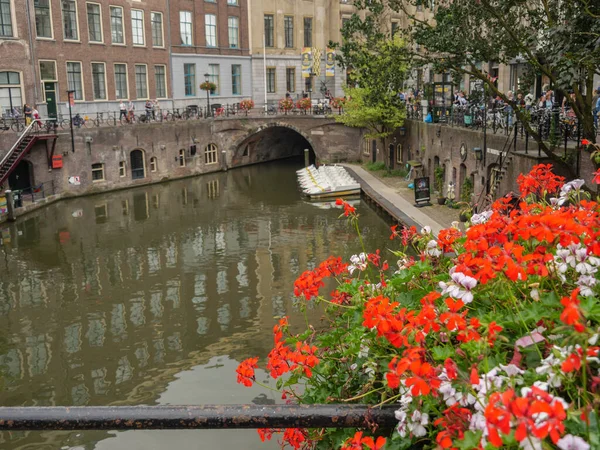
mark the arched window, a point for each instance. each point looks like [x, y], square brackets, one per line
[153, 164]
[210, 154]
[138, 165]
[10, 91]
[399, 154]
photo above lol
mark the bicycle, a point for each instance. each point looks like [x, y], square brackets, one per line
[128, 119]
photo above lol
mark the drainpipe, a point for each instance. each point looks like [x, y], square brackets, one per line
[32, 50]
[170, 53]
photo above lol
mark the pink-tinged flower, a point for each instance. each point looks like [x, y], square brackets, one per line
[570, 442]
[597, 177]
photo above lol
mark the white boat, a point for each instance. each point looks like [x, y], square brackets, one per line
[326, 182]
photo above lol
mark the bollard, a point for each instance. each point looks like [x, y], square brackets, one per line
[10, 206]
[306, 157]
[224, 160]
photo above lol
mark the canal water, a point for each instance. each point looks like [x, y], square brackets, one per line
[153, 295]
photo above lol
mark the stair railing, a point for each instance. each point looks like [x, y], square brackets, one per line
[25, 133]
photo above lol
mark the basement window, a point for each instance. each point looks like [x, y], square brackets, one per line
[182, 158]
[122, 171]
[97, 172]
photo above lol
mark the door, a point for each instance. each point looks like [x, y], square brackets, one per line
[50, 90]
[392, 159]
[374, 150]
[138, 170]
[21, 177]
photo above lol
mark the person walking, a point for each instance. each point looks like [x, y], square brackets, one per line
[155, 109]
[130, 111]
[27, 112]
[122, 110]
[149, 106]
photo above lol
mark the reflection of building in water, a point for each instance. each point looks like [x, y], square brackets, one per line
[91, 319]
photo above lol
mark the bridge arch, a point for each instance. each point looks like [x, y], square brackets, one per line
[261, 143]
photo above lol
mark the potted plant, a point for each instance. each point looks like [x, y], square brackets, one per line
[438, 179]
[338, 103]
[466, 211]
[304, 104]
[466, 190]
[246, 105]
[286, 104]
[209, 86]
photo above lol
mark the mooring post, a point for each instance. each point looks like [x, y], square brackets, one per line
[10, 205]
[224, 160]
[306, 157]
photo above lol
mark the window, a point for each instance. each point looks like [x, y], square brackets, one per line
[43, 19]
[137, 26]
[288, 28]
[394, 28]
[74, 80]
[153, 164]
[121, 81]
[160, 77]
[189, 77]
[366, 147]
[10, 91]
[210, 154]
[271, 80]
[290, 79]
[122, 169]
[269, 40]
[185, 27]
[213, 76]
[48, 70]
[141, 81]
[156, 20]
[97, 172]
[99, 81]
[6, 28]
[116, 25]
[236, 79]
[234, 32]
[308, 31]
[210, 24]
[182, 158]
[232, 2]
[69, 12]
[308, 84]
[94, 22]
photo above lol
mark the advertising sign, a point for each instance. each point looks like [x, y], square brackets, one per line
[422, 191]
[330, 63]
[307, 62]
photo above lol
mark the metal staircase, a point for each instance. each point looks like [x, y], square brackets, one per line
[20, 148]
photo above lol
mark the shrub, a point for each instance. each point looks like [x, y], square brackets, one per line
[375, 166]
[488, 338]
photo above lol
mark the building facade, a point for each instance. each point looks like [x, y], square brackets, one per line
[210, 41]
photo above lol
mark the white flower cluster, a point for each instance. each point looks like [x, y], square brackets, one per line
[460, 287]
[575, 256]
[414, 423]
[566, 191]
[433, 249]
[358, 262]
[480, 218]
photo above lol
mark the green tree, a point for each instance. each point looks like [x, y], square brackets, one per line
[377, 68]
[559, 39]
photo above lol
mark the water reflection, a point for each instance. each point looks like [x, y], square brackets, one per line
[109, 299]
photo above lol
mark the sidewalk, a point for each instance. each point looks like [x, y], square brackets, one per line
[395, 192]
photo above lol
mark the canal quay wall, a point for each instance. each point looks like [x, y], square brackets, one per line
[109, 158]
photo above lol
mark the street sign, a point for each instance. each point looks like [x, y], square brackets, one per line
[75, 181]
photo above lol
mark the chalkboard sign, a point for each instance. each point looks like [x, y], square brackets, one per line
[422, 190]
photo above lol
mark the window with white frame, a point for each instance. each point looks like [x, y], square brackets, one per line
[290, 79]
[160, 78]
[69, 13]
[157, 29]
[210, 154]
[189, 79]
[122, 169]
[94, 19]
[185, 27]
[6, 27]
[141, 81]
[43, 19]
[182, 158]
[308, 31]
[269, 30]
[121, 81]
[47, 74]
[232, 2]
[97, 172]
[213, 77]
[11, 91]
[153, 164]
[234, 31]
[74, 80]
[99, 81]
[288, 28]
[271, 80]
[210, 25]
[366, 146]
[137, 26]
[116, 25]
[236, 79]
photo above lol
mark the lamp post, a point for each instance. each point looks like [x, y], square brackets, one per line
[208, 111]
[70, 96]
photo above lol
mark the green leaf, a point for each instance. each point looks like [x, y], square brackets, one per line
[470, 441]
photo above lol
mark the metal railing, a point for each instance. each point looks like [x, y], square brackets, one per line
[32, 194]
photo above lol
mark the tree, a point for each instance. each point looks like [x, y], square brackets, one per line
[559, 39]
[377, 68]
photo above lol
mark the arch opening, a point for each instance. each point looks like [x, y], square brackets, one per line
[274, 142]
[138, 165]
[22, 176]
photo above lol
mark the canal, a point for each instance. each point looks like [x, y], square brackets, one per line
[153, 295]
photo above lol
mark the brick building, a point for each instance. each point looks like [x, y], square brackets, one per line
[210, 37]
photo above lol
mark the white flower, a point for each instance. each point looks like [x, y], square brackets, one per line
[417, 423]
[426, 230]
[401, 418]
[593, 339]
[512, 370]
[478, 422]
[483, 217]
[570, 442]
[535, 295]
[586, 283]
[531, 443]
[433, 249]
[358, 262]
[364, 351]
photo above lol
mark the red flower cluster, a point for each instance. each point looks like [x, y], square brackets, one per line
[447, 237]
[536, 415]
[245, 371]
[282, 358]
[597, 177]
[421, 375]
[309, 283]
[406, 234]
[295, 437]
[454, 422]
[348, 209]
[358, 442]
[540, 181]
[571, 315]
